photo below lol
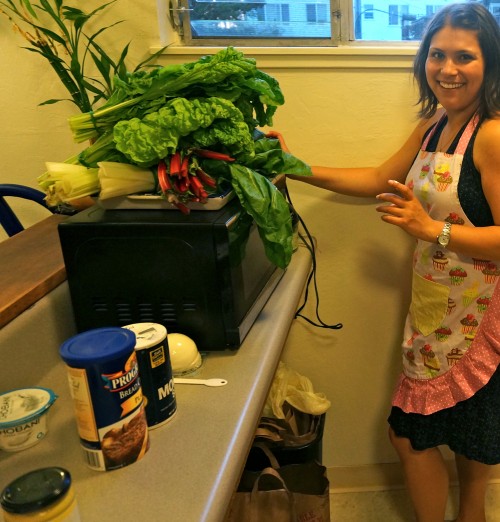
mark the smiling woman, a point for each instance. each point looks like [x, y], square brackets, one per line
[442, 189]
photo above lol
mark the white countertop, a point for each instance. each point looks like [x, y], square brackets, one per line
[195, 460]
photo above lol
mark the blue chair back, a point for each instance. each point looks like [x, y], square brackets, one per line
[8, 218]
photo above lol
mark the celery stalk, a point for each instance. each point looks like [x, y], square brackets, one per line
[63, 182]
[121, 179]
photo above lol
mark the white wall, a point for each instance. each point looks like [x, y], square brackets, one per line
[336, 116]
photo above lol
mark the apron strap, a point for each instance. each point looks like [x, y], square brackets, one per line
[467, 134]
[432, 132]
[464, 139]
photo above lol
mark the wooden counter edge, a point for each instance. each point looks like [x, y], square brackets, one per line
[31, 265]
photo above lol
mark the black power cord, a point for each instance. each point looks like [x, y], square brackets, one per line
[309, 244]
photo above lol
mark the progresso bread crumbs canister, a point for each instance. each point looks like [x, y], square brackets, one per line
[104, 382]
[155, 371]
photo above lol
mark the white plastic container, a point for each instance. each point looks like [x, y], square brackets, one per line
[184, 355]
[23, 417]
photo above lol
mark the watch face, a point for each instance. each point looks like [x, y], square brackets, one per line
[443, 240]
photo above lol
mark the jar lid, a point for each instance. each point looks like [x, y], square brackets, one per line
[147, 334]
[97, 346]
[23, 405]
[35, 490]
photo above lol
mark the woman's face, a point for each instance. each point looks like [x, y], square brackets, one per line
[455, 69]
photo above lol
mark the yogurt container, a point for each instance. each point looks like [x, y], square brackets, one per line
[23, 417]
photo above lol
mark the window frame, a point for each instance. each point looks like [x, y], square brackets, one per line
[170, 16]
[339, 26]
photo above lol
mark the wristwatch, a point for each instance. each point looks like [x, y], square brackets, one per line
[444, 238]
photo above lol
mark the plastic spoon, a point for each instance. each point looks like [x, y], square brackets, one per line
[206, 382]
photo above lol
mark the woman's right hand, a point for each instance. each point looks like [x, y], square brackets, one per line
[279, 137]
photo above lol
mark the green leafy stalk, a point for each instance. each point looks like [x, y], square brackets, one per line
[265, 203]
[227, 74]
[57, 32]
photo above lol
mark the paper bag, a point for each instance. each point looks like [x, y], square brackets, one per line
[291, 493]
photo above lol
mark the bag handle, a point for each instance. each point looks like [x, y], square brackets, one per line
[270, 434]
[269, 454]
[254, 515]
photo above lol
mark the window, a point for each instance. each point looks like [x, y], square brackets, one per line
[393, 15]
[495, 9]
[368, 12]
[430, 10]
[302, 22]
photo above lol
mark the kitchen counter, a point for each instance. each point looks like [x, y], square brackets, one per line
[195, 460]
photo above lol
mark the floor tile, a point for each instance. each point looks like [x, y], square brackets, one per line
[394, 506]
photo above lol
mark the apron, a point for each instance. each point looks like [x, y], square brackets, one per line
[451, 294]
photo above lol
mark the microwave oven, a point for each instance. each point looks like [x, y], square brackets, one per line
[204, 274]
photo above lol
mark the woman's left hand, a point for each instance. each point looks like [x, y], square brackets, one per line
[405, 211]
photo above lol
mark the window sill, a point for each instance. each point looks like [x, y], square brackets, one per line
[351, 57]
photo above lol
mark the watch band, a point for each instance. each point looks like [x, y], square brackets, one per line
[444, 238]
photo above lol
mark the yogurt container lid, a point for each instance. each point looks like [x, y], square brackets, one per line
[97, 346]
[147, 334]
[23, 405]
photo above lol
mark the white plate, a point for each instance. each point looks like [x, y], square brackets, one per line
[155, 202]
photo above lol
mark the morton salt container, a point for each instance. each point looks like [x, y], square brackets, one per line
[104, 383]
[155, 371]
[41, 495]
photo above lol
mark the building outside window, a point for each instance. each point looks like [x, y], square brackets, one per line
[368, 11]
[393, 15]
[495, 9]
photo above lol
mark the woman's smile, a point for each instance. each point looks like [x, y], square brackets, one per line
[447, 85]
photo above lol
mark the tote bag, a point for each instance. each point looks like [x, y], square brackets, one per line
[291, 493]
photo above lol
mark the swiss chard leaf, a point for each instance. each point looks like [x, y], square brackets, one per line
[270, 160]
[266, 204]
[201, 122]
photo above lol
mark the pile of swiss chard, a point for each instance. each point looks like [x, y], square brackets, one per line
[194, 127]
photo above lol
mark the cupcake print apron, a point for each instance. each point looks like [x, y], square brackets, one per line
[446, 355]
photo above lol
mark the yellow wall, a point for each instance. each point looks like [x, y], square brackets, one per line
[339, 110]
[350, 117]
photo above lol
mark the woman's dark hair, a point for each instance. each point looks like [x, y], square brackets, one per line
[471, 16]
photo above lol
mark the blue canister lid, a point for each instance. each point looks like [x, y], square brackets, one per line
[97, 346]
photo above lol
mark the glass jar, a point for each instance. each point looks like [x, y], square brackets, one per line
[41, 495]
